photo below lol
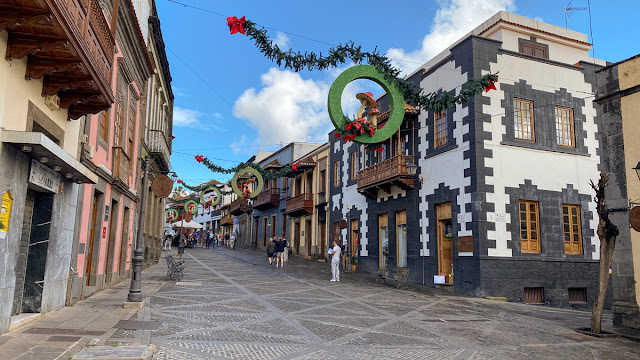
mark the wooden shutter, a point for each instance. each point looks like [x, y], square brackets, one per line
[529, 227]
[571, 229]
[534, 295]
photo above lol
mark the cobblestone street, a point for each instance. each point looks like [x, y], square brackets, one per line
[231, 305]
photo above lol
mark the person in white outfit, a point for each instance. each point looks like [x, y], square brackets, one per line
[335, 261]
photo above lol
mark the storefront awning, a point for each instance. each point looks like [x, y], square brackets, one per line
[38, 146]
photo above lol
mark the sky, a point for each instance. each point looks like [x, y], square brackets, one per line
[230, 101]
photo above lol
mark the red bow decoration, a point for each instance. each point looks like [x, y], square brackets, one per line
[294, 167]
[179, 181]
[199, 158]
[492, 86]
[236, 25]
[336, 135]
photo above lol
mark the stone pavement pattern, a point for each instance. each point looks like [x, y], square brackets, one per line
[232, 305]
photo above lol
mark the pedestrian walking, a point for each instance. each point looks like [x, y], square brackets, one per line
[226, 240]
[271, 249]
[285, 254]
[181, 245]
[232, 240]
[280, 246]
[335, 261]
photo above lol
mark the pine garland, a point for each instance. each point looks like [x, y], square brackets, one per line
[297, 61]
[266, 175]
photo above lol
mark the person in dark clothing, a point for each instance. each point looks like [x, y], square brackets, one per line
[280, 245]
[271, 249]
[181, 245]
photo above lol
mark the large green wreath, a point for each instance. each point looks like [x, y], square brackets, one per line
[216, 190]
[256, 173]
[393, 92]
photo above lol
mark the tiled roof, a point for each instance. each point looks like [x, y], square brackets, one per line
[408, 109]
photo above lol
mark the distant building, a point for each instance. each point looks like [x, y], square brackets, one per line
[619, 95]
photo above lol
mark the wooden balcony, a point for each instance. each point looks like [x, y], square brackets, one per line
[226, 220]
[300, 205]
[68, 44]
[392, 171]
[238, 207]
[121, 167]
[268, 198]
[216, 213]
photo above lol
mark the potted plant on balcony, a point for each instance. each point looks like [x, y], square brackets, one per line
[354, 263]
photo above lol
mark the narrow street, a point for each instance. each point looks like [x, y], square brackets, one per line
[231, 305]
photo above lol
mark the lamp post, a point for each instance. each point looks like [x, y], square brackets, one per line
[134, 300]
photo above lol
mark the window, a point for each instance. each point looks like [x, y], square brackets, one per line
[571, 229]
[354, 165]
[401, 238]
[383, 234]
[564, 127]
[382, 156]
[523, 119]
[577, 295]
[103, 124]
[323, 181]
[336, 173]
[117, 130]
[533, 295]
[130, 132]
[533, 48]
[440, 129]
[529, 227]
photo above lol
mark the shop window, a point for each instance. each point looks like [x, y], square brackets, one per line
[571, 229]
[529, 227]
[523, 120]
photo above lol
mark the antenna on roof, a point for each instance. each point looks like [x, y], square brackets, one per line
[568, 11]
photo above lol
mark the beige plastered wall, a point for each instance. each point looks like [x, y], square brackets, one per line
[629, 76]
[15, 94]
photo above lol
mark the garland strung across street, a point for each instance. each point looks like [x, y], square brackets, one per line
[341, 53]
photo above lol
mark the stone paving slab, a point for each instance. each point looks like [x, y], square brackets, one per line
[245, 309]
[116, 353]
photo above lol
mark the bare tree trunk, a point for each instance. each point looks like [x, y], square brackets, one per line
[607, 232]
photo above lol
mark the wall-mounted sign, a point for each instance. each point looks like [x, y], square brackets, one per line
[501, 217]
[45, 178]
[104, 232]
[465, 244]
[5, 211]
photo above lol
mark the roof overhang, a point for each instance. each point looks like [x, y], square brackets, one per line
[36, 145]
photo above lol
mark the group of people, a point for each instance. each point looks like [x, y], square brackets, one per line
[277, 250]
[206, 239]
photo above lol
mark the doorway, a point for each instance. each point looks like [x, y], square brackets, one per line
[336, 233]
[37, 248]
[354, 238]
[296, 233]
[273, 226]
[308, 237]
[91, 246]
[264, 230]
[323, 238]
[113, 227]
[124, 242]
[445, 242]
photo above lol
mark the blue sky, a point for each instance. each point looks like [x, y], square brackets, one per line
[222, 83]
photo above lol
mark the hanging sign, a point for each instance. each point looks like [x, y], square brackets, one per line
[45, 178]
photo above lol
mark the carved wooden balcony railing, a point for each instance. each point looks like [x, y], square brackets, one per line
[226, 220]
[392, 171]
[322, 198]
[69, 46]
[300, 205]
[267, 199]
[238, 206]
[216, 213]
[121, 167]
[159, 147]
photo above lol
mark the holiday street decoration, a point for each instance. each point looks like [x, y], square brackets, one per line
[236, 25]
[168, 213]
[191, 209]
[368, 102]
[266, 175]
[358, 130]
[217, 195]
[254, 172]
[341, 53]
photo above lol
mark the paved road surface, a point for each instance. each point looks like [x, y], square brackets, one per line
[231, 305]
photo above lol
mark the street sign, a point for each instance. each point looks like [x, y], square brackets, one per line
[45, 178]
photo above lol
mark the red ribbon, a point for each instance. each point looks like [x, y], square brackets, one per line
[236, 25]
[179, 181]
[294, 167]
[199, 158]
[491, 86]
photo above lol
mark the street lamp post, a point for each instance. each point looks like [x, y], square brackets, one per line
[135, 292]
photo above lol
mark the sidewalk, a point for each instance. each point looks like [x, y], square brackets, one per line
[95, 321]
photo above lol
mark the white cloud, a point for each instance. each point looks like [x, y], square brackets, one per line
[195, 119]
[177, 91]
[239, 145]
[454, 19]
[286, 108]
[282, 40]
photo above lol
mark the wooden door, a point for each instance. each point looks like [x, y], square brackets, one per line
[354, 237]
[255, 236]
[273, 226]
[336, 233]
[124, 241]
[323, 235]
[92, 236]
[264, 230]
[297, 237]
[445, 241]
[307, 237]
[113, 225]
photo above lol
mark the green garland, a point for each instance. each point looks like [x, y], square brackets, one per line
[266, 175]
[341, 53]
